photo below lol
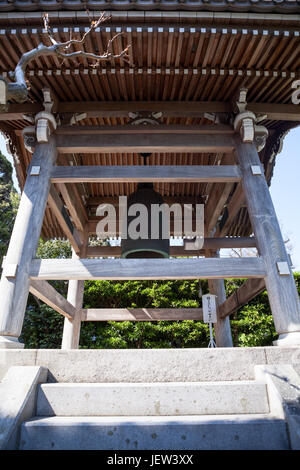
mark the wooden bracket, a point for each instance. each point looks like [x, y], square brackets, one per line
[29, 138]
[260, 136]
[45, 124]
[145, 118]
[45, 121]
[77, 117]
[240, 103]
[245, 123]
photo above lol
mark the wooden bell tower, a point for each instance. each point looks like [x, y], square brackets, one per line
[208, 95]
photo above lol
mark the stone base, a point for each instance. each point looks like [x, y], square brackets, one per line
[10, 342]
[288, 339]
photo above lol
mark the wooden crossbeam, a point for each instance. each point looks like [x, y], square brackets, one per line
[250, 289]
[142, 142]
[161, 173]
[275, 111]
[94, 109]
[122, 108]
[138, 269]
[187, 250]
[15, 112]
[127, 129]
[45, 292]
[141, 314]
[63, 218]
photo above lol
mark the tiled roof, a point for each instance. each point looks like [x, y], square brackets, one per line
[280, 6]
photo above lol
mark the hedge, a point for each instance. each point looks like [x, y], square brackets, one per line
[252, 325]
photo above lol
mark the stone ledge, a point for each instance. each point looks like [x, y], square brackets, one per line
[149, 365]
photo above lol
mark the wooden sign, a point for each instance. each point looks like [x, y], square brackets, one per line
[209, 308]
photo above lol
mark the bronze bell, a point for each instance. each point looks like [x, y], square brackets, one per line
[145, 248]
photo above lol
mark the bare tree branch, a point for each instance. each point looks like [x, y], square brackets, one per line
[18, 90]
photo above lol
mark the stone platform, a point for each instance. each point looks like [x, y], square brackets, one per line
[169, 399]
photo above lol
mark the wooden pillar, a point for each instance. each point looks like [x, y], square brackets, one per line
[14, 286]
[71, 332]
[222, 328]
[282, 291]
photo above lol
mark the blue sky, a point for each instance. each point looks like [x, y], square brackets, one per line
[285, 190]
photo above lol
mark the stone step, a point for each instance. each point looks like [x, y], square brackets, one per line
[237, 432]
[152, 399]
[149, 365]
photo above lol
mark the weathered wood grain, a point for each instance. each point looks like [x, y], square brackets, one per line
[246, 292]
[136, 143]
[136, 269]
[141, 314]
[24, 240]
[161, 173]
[282, 291]
[218, 129]
[72, 327]
[45, 292]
